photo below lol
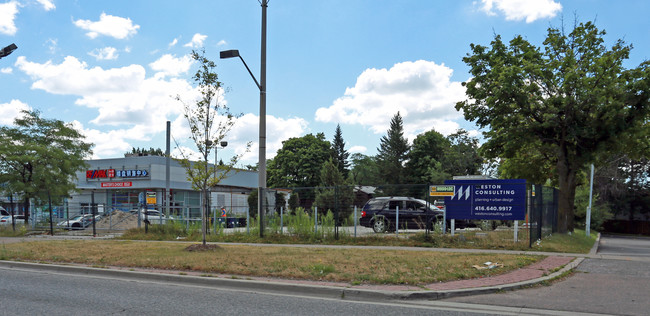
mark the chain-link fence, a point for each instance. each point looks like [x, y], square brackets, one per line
[312, 212]
[407, 208]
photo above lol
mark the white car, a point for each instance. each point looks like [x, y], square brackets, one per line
[77, 222]
[6, 220]
[155, 217]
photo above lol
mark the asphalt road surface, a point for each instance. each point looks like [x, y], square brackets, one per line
[25, 292]
[618, 285]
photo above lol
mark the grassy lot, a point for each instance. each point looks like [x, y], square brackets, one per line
[501, 240]
[355, 266]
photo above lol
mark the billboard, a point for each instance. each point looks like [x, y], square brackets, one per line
[487, 199]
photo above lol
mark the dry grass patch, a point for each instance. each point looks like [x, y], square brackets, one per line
[337, 265]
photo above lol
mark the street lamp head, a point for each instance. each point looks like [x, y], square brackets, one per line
[8, 50]
[229, 53]
[224, 144]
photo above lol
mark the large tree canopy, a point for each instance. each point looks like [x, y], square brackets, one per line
[298, 163]
[40, 156]
[570, 101]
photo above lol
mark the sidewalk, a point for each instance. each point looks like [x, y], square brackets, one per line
[549, 268]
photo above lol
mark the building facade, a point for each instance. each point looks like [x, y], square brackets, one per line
[137, 182]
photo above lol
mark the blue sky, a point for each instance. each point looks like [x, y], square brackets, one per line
[112, 67]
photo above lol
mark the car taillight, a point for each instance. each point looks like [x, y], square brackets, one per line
[363, 213]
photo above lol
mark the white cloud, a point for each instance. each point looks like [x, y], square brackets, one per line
[197, 41]
[222, 43]
[172, 66]
[6, 70]
[108, 25]
[47, 4]
[517, 10]
[8, 12]
[173, 43]
[357, 149]
[277, 130]
[122, 96]
[52, 45]
[10, 111]
[421, 91]
[106, 53]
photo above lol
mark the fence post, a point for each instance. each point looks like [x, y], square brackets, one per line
[397, 221]
[315, 220]
[281, 220]
[516, 230]
[453, 226]
[355, 221]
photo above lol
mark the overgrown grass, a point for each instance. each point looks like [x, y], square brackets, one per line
[356, 266]
[300, 230]
[8, 231]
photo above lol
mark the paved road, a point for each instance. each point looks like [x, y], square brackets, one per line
[49, 293]
[609, 286]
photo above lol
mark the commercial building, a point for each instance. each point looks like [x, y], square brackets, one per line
[140, 181]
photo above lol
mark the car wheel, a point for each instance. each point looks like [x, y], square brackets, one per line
[379, 226]
[76, 226]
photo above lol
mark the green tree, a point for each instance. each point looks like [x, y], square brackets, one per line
[340, 154]
[145, 152]
[299, 161]
[392, 151]
[335, 195]
[364, 170]
[426, 159]
[462, 157]
[209, 120]
[573, 97]
[40, 157]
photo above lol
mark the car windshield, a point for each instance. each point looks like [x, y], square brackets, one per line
[76, 218]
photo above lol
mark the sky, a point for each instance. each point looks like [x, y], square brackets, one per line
[114, 68]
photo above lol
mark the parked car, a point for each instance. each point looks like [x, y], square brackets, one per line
[18, 219]
[380, 214]
[77, 222]
[155, 217]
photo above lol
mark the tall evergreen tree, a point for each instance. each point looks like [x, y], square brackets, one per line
[392, 152]
[340, 154]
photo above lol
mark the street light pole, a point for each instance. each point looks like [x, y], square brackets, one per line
[262, 157]
[262, 133]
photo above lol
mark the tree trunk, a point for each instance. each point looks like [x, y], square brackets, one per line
[566, 199]
[26, 205]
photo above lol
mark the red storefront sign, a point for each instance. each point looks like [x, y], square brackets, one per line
[117, 184]
[104, 173]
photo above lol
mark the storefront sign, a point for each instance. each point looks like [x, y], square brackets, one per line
[441, 190]
[102, 173]
[131, 173]
[117, 184]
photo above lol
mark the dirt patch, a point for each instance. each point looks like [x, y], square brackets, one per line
[118, 220]
[202, 247]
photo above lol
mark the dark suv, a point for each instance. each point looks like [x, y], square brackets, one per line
[380, 213]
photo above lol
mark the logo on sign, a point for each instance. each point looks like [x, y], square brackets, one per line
[462, 194]
[103, 173]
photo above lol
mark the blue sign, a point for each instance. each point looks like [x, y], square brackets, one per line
[487, 199]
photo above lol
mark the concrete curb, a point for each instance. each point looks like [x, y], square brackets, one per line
[281, 287]
[594, 249]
